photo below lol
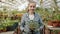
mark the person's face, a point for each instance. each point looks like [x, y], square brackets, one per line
[32, 7]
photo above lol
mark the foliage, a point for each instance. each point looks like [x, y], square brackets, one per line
[48, 14]
[33, 25]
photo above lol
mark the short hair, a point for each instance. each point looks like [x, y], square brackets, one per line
[28, 4]
[32, 2]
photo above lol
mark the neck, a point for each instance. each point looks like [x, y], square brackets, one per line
[31, 13]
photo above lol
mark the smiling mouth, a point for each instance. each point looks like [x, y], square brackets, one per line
[32, 9]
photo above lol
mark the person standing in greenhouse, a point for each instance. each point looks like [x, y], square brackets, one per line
[31, 15]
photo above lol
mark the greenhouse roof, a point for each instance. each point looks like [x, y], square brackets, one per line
[22, 4]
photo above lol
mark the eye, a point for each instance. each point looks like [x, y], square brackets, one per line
[32, 6]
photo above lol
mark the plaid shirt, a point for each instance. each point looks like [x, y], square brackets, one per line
[25, 19]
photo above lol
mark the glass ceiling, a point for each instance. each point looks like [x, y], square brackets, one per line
[22, 4]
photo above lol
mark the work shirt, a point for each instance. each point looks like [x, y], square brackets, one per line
[25, 19]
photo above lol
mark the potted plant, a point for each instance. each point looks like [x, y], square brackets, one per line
[55, 22]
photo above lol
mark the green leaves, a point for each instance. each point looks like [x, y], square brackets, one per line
[48, 14]
[58, 16]
[33, 25]
[7, 23]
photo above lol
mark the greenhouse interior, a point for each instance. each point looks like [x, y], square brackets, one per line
[11, 12]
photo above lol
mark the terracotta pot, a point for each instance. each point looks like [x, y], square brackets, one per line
[50, 23]
[1, 31]
[54, 23]
[59, 23]
[19, 15]
[58, 32]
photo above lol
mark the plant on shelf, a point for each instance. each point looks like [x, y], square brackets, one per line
[55, 22]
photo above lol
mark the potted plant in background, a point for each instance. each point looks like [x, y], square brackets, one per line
[55, 22]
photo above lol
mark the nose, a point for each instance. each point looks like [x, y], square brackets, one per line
[32, 8]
